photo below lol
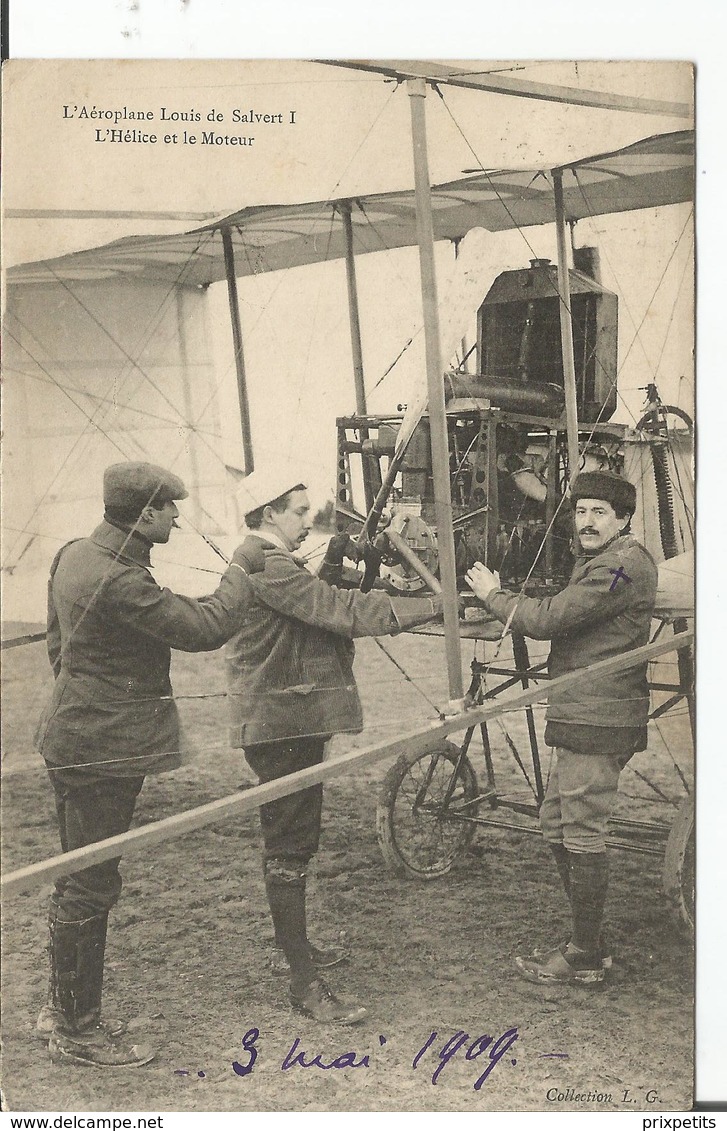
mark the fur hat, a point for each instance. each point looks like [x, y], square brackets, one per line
[608, 486]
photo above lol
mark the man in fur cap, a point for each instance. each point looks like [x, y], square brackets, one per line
[595, 725]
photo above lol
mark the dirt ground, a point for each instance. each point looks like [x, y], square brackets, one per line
[190, 937]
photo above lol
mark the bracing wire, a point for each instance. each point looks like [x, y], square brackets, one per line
[687, 264]
[108, 400]
[406, 675]
[33, 376]
[562, 299]
[43, 497]
[329, 199]
[637, 331]
[114, 443]
[132, 361]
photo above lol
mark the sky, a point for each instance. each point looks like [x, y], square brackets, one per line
[351, 134]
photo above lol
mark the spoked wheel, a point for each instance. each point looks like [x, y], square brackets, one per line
[663, 419]
[424, 810]
[680, 866]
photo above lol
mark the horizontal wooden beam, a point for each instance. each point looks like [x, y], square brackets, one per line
[16, 641]
[106, 214]
[237, 803]
[439, 73]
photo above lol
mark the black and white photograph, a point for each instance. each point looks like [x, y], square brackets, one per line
[348, 530]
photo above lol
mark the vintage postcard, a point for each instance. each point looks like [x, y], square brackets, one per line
[441, 314]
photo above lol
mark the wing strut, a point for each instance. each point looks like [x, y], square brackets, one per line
[417, 90]
[566, 330]
[237, 345]
[371, 482]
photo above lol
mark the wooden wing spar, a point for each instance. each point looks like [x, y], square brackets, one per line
[234, 804]
[494, 82]
[656, 171]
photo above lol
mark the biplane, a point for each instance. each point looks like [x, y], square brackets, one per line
[477, 464]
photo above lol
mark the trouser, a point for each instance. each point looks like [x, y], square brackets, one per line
[578, 804]
[89, 808]
[580, 799]
[291, 828]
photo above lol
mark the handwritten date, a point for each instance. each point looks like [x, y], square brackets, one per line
[493, 1049]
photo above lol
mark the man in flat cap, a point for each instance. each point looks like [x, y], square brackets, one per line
[595, 725]
[291, 687]
[111, 720]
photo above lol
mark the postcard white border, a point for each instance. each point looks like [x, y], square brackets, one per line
[531, 29]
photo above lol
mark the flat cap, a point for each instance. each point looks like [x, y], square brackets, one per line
[266, 484]
[137, 484]
[608, 486]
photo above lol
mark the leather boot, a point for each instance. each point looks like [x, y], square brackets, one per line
[50, 1016]
[589, 885]
[285, 888]
[562, 858]
[77, 962]
[562, 863]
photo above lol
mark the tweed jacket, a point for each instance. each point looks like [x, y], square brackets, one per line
[290, 665]
[600, 613]
[110, 631]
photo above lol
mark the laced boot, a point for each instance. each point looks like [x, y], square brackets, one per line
[285, 883]
[316, 1000]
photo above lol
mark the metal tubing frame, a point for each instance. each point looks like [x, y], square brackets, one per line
[522, 665]
[522, 672]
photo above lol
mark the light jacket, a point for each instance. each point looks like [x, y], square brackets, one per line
[110, 631]
[599, 614]
[290, 666]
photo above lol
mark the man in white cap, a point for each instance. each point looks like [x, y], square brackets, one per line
[291, 687]
[595, 725]
[111, 720]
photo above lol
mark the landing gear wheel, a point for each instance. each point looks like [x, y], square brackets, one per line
[679, 867]
[423, 815]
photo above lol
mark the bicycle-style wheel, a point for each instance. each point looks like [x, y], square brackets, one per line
[680, 866]
[664, 419]
[423, 818]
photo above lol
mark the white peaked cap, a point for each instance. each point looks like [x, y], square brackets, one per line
[267, 483]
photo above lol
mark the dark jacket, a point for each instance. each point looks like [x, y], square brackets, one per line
[290, 666]
[110, 631]
[598, 614]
